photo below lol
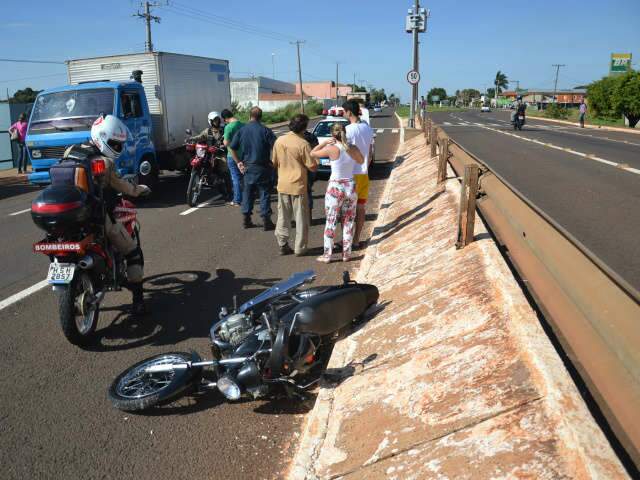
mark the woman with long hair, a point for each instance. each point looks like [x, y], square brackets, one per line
[341, 198]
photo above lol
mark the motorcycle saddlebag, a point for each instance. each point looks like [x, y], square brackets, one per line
[327, 313]
[61, 208]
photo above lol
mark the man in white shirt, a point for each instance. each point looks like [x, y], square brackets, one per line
[364, 112]
[359, 134]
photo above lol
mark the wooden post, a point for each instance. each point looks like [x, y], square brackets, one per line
[467, 210]
[443, 158]
[433, 140]
[427, 130]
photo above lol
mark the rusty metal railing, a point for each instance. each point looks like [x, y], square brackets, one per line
[593, 311]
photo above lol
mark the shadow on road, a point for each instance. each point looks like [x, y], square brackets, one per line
[183, 305]
[8, 189]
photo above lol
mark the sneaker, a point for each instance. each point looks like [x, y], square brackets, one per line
[285, 249]
[268, 224]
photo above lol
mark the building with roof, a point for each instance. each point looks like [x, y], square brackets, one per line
[566, 98]
[248, 92]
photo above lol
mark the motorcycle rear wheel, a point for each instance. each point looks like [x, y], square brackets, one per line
[193, 189]
[78, 316]
[134, 390]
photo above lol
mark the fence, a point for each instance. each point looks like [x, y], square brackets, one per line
[593, 311]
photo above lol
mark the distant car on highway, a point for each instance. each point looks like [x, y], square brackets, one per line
[485, 108]
[377, 108]
[323, 131]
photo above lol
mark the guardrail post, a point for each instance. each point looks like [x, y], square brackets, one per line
[467, 210]
[427, 130]
[433, 140]
[442, 160]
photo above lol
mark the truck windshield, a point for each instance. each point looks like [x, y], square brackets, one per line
[84, 105]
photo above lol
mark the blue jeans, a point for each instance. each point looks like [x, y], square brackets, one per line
[261, 180]
[236, 179]
[22, 157]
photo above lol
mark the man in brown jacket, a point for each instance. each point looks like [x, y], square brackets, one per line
[291, 157]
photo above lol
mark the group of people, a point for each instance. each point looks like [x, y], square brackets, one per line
[256, 158]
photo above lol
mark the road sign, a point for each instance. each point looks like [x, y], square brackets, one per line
[620, 63]
[413, 77]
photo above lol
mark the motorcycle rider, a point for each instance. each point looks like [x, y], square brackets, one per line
[108, 138]
[213, 135]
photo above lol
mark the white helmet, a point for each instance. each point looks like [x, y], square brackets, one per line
[212, 116]
[109, 135]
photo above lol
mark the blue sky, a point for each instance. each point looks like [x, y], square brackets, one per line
[466, 42]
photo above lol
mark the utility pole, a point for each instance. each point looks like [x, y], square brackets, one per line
[555, 85]
[354, 82]
[147, 19]
[337, 94]
[517, 82]
[297, 44]
[416, 22]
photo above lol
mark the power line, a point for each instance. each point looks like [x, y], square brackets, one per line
[33, 78]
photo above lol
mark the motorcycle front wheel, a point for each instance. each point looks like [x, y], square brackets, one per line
[193, 190]
[135, 389]
[78, 309]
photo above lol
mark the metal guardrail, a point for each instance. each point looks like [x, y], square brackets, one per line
[593, 311]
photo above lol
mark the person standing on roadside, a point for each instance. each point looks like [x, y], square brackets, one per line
[18, 132]
[292, 160]
[231, 128]
[359, 134]
[583, 112]
[341, 198]
[254, 141]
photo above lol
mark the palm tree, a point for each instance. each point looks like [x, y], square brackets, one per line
[501, 80]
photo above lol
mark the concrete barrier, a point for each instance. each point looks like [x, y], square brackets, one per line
[454, 376]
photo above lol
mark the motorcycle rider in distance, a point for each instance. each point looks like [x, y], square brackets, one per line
[520, 106]
[108, 139]
[213, 134]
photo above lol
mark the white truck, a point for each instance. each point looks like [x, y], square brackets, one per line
[180, 91]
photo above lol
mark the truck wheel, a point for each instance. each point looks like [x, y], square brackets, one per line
[149, 179]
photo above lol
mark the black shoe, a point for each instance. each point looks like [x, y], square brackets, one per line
[138, 307]
[268, 224]
[285, 249]
[246, 222]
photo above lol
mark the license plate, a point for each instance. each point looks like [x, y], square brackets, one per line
[60, 273]
[325, 161]
[521, 118]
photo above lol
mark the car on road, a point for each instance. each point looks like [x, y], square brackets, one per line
[335, 111]
[377, 108]
[485, 108]
[323, 131]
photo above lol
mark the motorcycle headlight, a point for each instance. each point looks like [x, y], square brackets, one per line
[201, 152]
[228, 388]
[36, 154]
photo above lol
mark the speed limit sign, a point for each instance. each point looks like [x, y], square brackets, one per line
[413, 77]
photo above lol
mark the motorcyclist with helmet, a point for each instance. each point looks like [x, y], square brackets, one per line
[108, 138]
[519, 109]
[213, 135]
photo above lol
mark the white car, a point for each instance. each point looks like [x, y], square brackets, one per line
[485, 108]
[323, 131]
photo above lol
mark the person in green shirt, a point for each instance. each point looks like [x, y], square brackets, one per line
[232, 126]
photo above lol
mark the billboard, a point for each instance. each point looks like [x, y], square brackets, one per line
[620, 63]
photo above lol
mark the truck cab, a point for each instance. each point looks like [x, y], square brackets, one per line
[63, 116]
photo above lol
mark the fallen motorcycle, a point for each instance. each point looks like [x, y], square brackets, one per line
[271, 341]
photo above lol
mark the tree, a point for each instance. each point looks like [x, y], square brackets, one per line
[491, 92]
[441, 93]
[467, 95]
[393, 99]
[626, 97]
[378, 96]
[26, 95]
[600, 95]
[501, 80]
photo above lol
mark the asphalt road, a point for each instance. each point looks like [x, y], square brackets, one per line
[595, 197]
[55, 419]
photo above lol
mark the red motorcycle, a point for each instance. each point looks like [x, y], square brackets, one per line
[208, 168]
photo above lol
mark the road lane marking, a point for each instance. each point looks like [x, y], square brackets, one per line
[395, 130]
[21, 211]
[193, 209]
[23, 294]
[568, 150]
[380, 130]
[446, 123]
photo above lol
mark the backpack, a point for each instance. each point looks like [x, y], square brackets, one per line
[74, 168]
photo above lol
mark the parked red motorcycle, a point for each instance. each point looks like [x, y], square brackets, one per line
[208, 169]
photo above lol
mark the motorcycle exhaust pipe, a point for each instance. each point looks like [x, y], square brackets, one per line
[86, 262]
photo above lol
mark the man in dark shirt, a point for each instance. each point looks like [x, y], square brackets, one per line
[255, 141]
